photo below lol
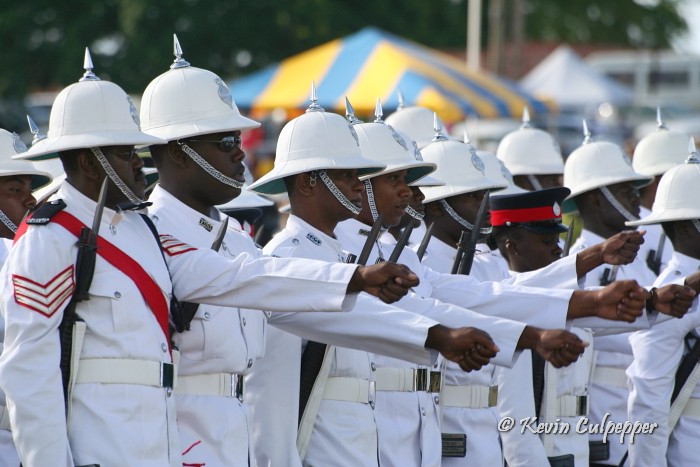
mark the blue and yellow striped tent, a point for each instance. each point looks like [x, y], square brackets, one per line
[372, 63]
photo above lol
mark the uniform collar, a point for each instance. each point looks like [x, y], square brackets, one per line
[683, 263]
[298, 226]
[80, 205]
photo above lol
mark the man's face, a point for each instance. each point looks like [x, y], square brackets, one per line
[537, 250]
[223, 153]
[467, 206]
[628, 196]
[15, 200]
[416, 203]
[349, 185]
[128, 167]
[392, 195]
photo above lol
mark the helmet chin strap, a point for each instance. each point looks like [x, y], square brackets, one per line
[7, 222]
[207, 167]
[462, 221]
[370, 199]
[414, 214]
[696, 224]
[536, 185]
[342, 199]
[114, 177]
[617, 205]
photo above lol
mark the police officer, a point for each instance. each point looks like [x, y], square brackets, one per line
[119, 404]
[17, 181]
[655, 154]
[658, 351]
[604, 188]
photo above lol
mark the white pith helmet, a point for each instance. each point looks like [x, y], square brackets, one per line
[458, 165]
[661, 150]
[383, 144]
[187, 101]
[678, 193]
[11, 145]
[416, 122]
[598, 164]
[90, 113]
[530, 151]
[497, 170]
[317, 140]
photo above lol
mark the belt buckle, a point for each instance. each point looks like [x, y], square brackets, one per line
[493, 396]
[581, 405]
[167, 375]
[237, 386]
[435, 381]
[420, 379]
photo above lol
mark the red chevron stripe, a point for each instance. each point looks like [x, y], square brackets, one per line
[55, 291]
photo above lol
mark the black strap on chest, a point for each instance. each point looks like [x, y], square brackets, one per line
[688, 362]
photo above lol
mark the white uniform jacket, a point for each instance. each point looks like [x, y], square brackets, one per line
[657, 354]
[122, 424]
[608, 389]
[214, 430]
[8, 452]
[345, 433]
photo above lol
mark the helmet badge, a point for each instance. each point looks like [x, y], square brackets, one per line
[18, 144]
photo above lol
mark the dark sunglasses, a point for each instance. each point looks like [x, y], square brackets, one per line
[226, 144]
[127, 156]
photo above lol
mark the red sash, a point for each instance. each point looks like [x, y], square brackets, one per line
[150, 291]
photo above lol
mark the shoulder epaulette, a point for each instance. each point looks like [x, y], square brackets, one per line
[43, 215]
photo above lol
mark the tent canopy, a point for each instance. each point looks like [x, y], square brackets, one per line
[569, 81]
[372, 63]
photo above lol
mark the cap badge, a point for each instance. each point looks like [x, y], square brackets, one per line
[477, 162]
[224, 93]
[416, 152]
[18, 144]
[134, 113]
[399, 139]
[556, 209]
[354, 134]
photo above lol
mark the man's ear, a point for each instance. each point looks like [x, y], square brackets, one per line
[303, 185]
[88, 165]
[512, 248]
[175, 153]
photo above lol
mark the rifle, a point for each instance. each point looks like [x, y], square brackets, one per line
[654, 257]
[465, 264]
[371, 240]
[315, 352]
[609, 275]
[189, 309]
[569, 239]
[401, 243]
[84, 272]
[461, 243]
[424, 243]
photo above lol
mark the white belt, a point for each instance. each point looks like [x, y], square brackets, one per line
[339, 388]
[572, 406]
[4, 418]
[692, 408]
[610, 376]
[471, 397]
[407, 379]
[123, 371]
[212, 384]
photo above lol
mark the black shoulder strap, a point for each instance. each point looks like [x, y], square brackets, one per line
[311, 362]
[687, 364]
[45, 212]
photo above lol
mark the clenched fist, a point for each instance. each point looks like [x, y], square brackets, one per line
[470, 348]
[388, 281]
